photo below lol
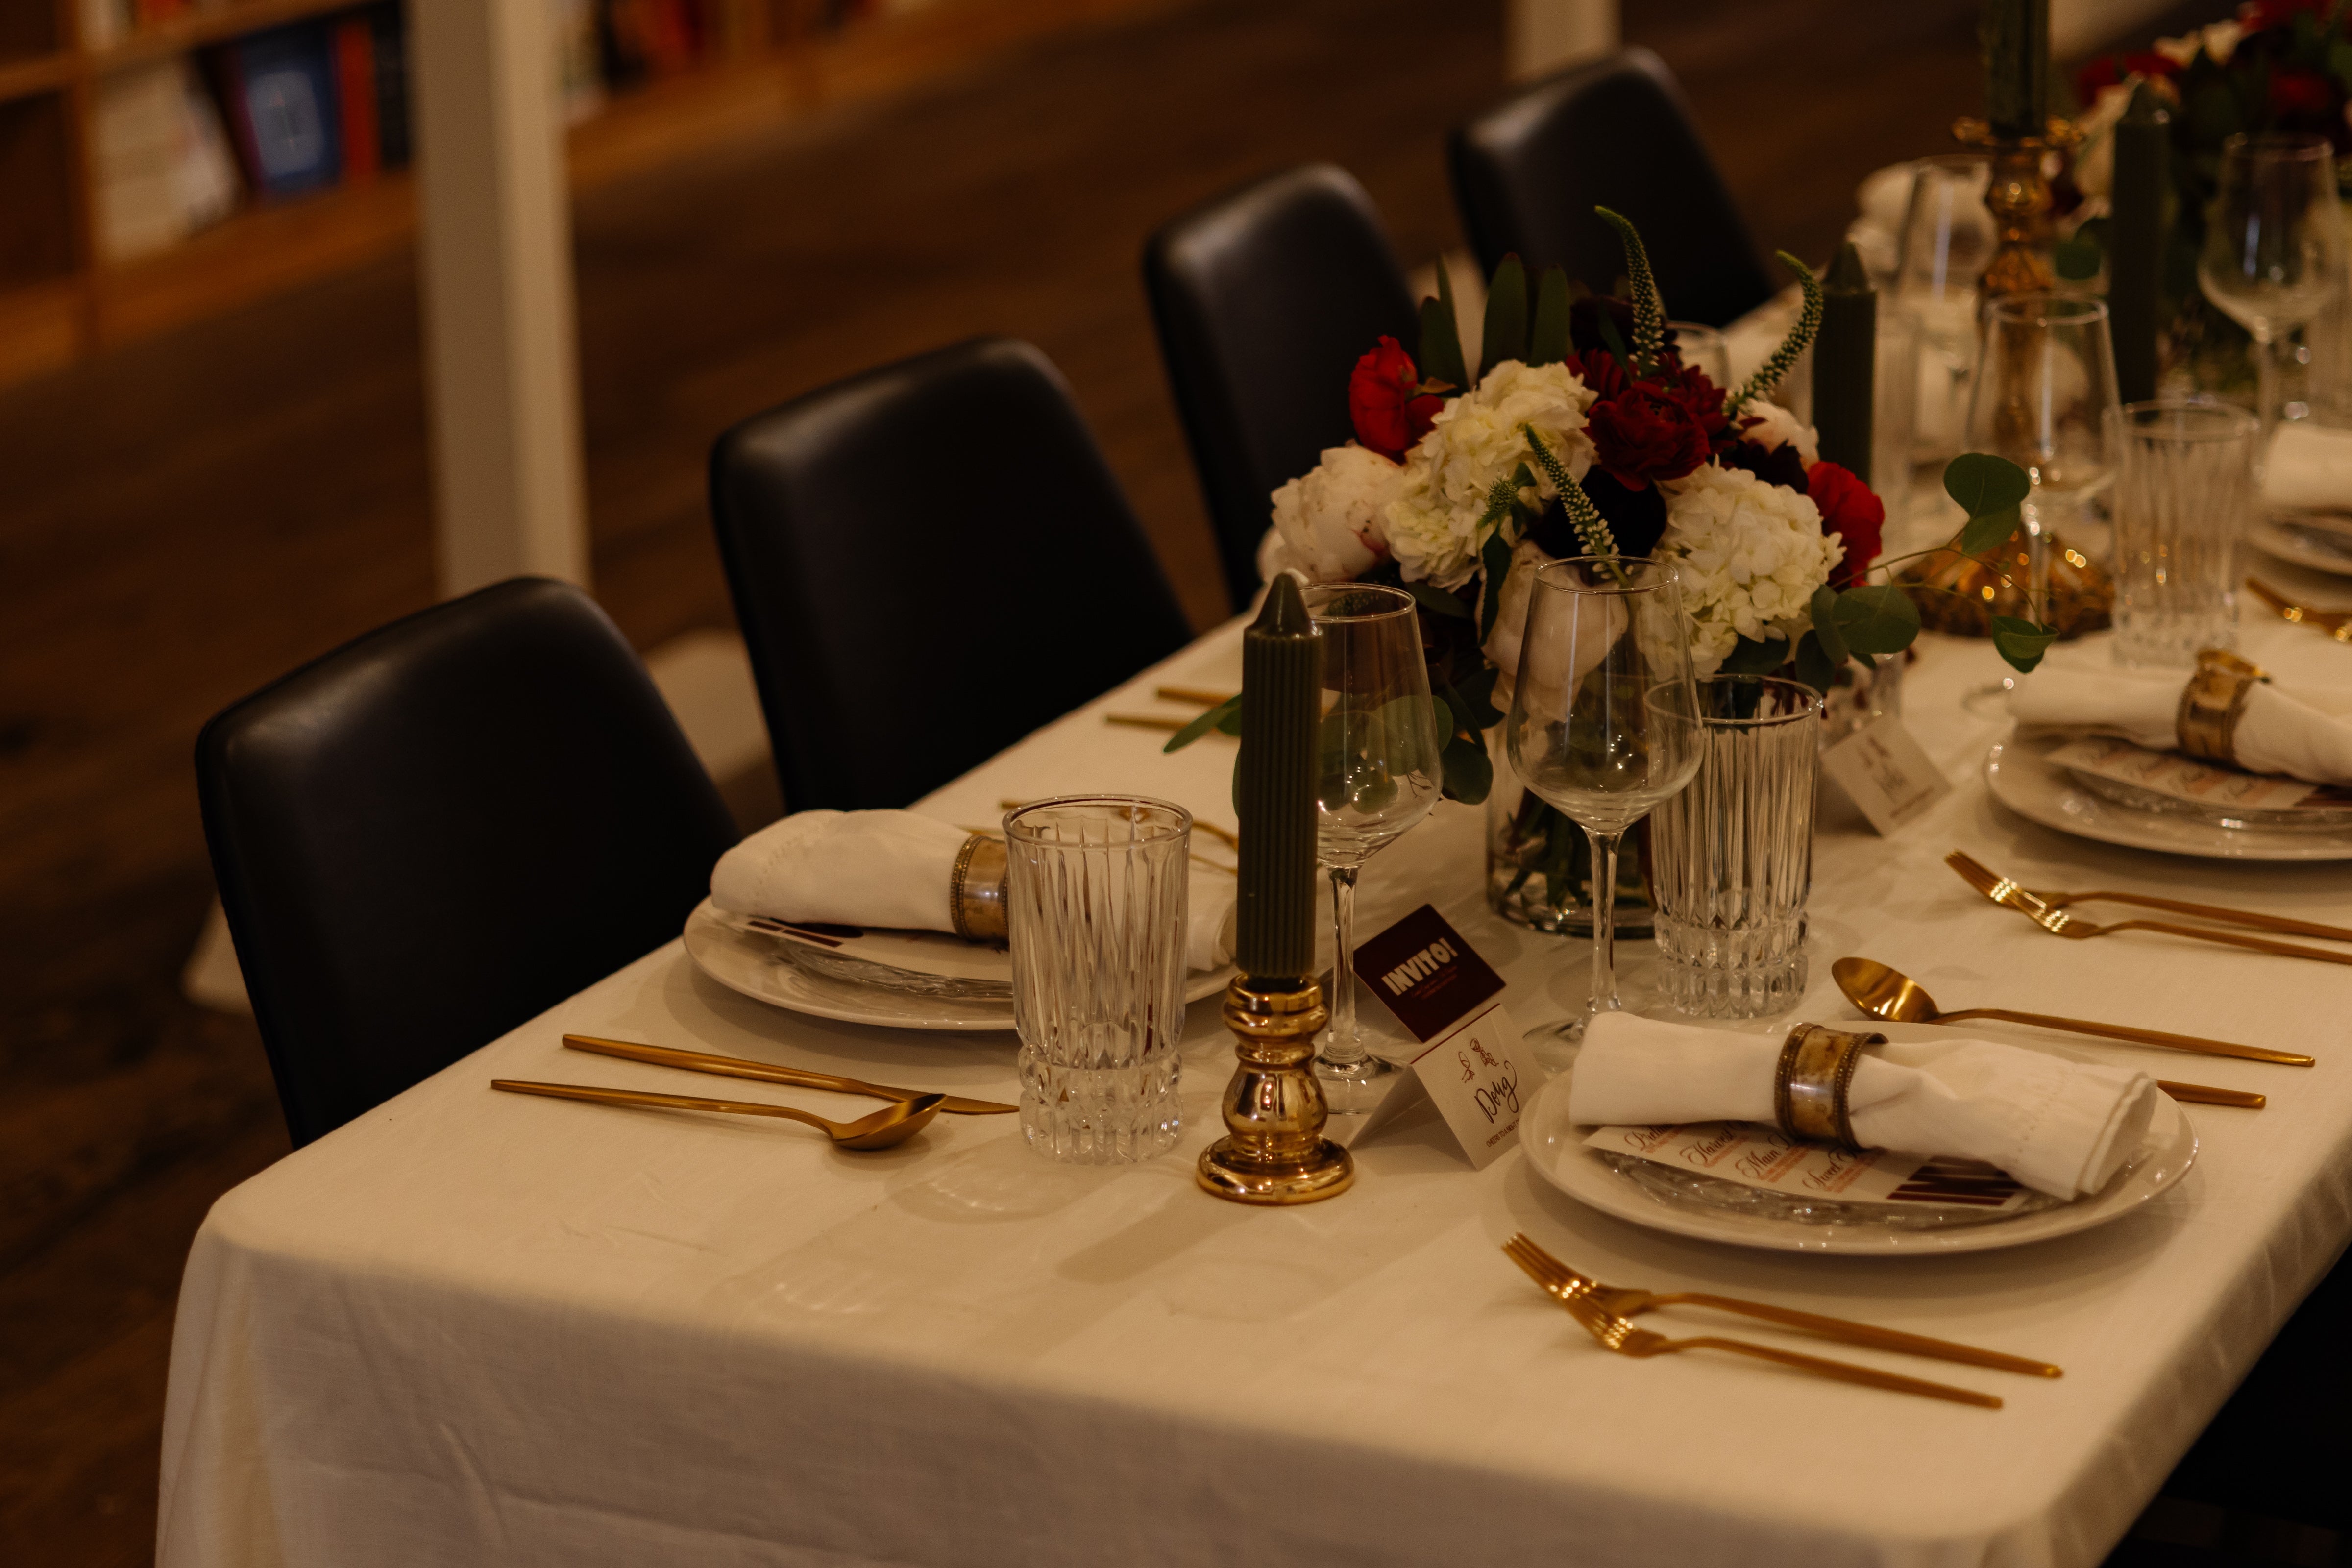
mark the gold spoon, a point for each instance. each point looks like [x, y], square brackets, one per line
[1889, 994]
[891, 1124]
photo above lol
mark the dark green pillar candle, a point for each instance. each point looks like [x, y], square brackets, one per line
[1846, 363]
[2135, 241]
[2016, 38]
[1274, 788]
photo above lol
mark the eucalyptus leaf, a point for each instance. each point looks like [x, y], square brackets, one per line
[2021, 642]
[1983, 483]
[1815, 667]
[1872, 619]
[1988, 531]
[1548, 336]
[1495, 559]
[1478, 692]
[1229, 712]
[1469, 772]
[1825, 626]
[1749, 657]
[1504, 334]
[1437, 601]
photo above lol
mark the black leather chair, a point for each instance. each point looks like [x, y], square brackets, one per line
[443, 829]
[1265, 299]
[929, 562]
[1614, 133]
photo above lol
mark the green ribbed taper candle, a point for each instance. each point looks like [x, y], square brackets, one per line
[2015, 37]
[2135, 241]
[1845, 358]
[1273, 791]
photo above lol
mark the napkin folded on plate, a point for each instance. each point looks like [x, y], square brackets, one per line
[2303, 736]
[2059, 1126]
[892, 868]
[2309, 468]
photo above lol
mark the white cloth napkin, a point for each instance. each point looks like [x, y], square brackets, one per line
[2310, 467]
[2058, 1126]
[892, 868]
[2303, 736]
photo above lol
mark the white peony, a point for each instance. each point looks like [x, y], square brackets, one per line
[1779, 429]
[1476, 439]
[1750, 555]
[1329, 522]
[1501, 647]
[2095, 163]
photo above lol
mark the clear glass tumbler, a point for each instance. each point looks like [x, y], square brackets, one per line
[1096, 908]
[2184, 491]
[1731, 857]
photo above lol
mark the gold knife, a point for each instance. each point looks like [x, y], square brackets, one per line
[768, 1072]
[2335, 623]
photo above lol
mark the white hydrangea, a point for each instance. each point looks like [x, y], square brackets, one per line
[1750, 554]
[2095, 163]
[1779, 428]
[1433, 527]
[1330, 522]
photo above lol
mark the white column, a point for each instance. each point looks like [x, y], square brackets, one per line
[1540, 37]
[495, 244]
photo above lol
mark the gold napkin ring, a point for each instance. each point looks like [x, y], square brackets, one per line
[976, 890]
[2211, 703]
[1809, 1091]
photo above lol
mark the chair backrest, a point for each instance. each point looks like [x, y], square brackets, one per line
[930, 560]
[1613, 133]
[440, 830]
[1265, 299]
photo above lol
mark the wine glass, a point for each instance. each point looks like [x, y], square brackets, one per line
[1376, 772]
[1604, 716]
[1947, 239]
[2045, 383]
[2273, 255]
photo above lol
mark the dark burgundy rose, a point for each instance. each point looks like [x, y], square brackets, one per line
[1585, 315]
[1636, 519]
[1779, 465]
[1851, 512]
[1643, 435]
[1390, 412]
[1691, 387]
[2301, 94]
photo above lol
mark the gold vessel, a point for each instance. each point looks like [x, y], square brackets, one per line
[1274, 1151]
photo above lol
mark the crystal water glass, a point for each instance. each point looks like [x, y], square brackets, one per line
[1377, 775]
[1948, 238]
[1604, 715]
[1703, 348]
[1731, 857]
[2184, 492]
[1095, 905]
[2273, 255]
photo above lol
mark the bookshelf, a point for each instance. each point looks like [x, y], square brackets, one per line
[763, 61]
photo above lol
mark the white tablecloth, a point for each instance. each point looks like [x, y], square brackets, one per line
[477, 1328]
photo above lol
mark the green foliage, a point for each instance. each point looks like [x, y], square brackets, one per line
[1469, 771]
[2021, 642]
[1649, 310]
[1815, 667]
[1590, 525]
[1875, 619]
[1825, 626]
[1548, 337]
[1494, 565]
[1225, 716]
[1989, 489]
[1437, 601]
[1504, 334]
[1770, 374]
[1751, 656]
[2078, 256]
[1440, 358]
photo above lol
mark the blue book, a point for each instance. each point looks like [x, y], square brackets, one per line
[284, 95]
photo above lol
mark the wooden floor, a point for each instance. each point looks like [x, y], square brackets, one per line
[182, 519]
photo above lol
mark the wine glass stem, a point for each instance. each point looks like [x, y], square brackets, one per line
[2037, 563]
[1605, 920]
[2266, 385]
[1342, 1046]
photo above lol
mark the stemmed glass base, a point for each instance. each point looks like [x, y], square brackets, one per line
[1347, 1072]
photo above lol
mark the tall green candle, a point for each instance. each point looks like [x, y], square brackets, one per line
[1845, 360]
[2015, 36]
[1274, 788]
[2135, 240]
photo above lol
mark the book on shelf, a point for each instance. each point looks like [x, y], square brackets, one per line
[279, 88]
[159, 163]
[355, 98]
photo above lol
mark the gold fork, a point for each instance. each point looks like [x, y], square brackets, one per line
[1619, 1334]
[2335, 623]
[2058, 922]
[1564, 1281]
[1975, 869]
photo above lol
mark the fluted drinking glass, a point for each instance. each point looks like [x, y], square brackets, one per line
[2184, 492]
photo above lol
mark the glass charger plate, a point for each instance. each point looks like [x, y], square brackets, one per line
[1556, 1148]
[2131, 796]
[750, 963]
[2024, 780]
[2322, 550]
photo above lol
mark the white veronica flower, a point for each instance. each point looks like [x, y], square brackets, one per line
[1750, 555]
[1330, 522]
[1433, 526]
[1779, 429]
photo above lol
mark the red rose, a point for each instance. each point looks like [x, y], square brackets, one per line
[1643, 434]
[1390, 412]
[1850, 511]
[2296, 90]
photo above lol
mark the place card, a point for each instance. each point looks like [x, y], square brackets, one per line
[1472, 1063]
[1886, 774]
[1758, 1156]
[2183, 778]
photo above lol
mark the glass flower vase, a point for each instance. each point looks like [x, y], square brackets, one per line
[1540, 864]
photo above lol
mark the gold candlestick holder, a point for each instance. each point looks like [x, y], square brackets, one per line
[2019, 200]
[1274, 1151]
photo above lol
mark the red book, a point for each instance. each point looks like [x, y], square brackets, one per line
[355, 90]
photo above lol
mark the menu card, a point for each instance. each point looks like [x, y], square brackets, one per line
[1472, 1062]
[1758, 1156]
[2179, 777]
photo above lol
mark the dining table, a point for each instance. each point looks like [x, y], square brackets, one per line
[479, 1327]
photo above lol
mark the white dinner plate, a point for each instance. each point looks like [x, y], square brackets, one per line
[2022, 779]
[2315, 548]
[1555, 1148]
[746, 961]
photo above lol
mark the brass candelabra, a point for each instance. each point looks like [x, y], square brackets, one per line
[1274, 1151]
[2019, 200]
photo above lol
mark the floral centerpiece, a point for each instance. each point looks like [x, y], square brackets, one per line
[1584, 433]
